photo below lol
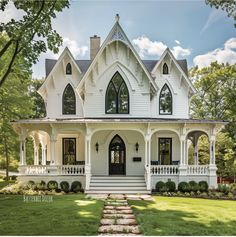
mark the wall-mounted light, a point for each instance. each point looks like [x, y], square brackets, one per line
[97, 146]
[136, 146]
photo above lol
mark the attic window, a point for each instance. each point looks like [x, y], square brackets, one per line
[165, 101]
[165, 69]
[68, 69]
[68, 101]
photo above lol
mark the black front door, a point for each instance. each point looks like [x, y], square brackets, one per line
[117, 156]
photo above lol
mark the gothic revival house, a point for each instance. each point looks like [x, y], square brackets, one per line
[116, 123]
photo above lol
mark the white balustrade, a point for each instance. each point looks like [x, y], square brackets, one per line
[164, 169]
[51, 169]
[197, 169]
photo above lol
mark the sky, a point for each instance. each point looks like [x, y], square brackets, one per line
[190, 28]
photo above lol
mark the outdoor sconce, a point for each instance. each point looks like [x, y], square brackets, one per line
[97, 146]
[136, 146]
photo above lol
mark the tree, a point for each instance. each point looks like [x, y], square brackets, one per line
[27, 36]
[216, 86]
[15, 104]
[226, 5]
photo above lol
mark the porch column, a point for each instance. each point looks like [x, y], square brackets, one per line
[36, 154]
[148, 161]
[212, 150]
[87, 160]
[182, 165]
[22, 152]
[195, 147]
[44, 156]
[182, 150]
[186, 151]
[53, 148]
[212, 178]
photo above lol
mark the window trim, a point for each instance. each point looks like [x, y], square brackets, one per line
[159, 153]
[171, 113]
[117, 96]
[74, 104]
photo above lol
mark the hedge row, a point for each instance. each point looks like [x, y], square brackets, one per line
[191, 186]
[53, 185]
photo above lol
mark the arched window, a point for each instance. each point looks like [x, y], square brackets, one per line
[165, 69]
[165, 100]
[68, 100]
[68, 69]
[117, 96]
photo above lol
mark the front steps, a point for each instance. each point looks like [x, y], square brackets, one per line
[118, 184]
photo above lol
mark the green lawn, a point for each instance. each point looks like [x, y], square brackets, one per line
[186, 216]
[65, 215]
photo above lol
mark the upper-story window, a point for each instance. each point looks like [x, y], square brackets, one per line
[117, 96]
[68, 69]
[165, 69]
[165, 100]
[68, 101]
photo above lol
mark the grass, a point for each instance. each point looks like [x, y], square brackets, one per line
[65, 215]
[185, 216]
[4, 183]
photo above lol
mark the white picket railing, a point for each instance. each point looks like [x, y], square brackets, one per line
[197, 169]
[51, 170]
[164, 169]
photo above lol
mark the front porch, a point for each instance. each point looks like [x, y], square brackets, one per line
[84, 152]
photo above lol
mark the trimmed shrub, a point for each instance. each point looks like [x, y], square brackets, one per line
[171, 186]
[76, 186]
[233, 188]
[194, 187]
[203, 186]
[183, 187]
[41, 185]
[31, 185]
[65, 186]
[13, 177]
[52, 184]
[160, 185]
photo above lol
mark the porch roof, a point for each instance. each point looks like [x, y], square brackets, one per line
[119, 120]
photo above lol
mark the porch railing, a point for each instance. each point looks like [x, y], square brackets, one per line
[197, 169]
[164, 169]
[51, 170]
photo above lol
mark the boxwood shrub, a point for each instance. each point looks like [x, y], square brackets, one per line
[183, 187]
[160, 186]
[171, 186]
[41, 185]
[31, 185]
[65, 186]
[76, 186]
[203, 186]
[52, 185]
[194, 187]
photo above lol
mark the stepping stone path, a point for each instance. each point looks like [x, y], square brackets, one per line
[118, 217]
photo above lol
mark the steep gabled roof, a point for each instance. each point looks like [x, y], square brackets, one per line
[117, 34]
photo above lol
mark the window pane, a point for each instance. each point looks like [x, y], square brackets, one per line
[117, 81]
[165, 69]
[69, 151]
[111, 98]
[69, 100]
[68, 69]
[123, 99]
[165, 100]
[165, 151]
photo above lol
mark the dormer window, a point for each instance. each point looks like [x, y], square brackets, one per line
[68, 101]
[165, 101]
[165, 69]
[117, 96]
[68, 69]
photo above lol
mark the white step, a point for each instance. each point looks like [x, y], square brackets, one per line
[118, 177]
[116, 181]
[109, 184]
[117, 192]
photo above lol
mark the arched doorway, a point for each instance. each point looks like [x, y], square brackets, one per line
[117, 156]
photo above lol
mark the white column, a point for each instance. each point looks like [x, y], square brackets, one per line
[212, 167]
[22, 152]
[53, 148]
[44, 155]
[36, 155]
[212, 151]
[87, 161]
[186, 151]
[195, 148]
[182, 150]
[148, 161]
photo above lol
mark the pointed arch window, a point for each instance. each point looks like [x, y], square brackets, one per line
[68, 101]
[165, 100]
[117, 96]
[68, 69]
[165, 69]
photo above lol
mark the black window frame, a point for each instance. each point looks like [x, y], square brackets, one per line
[160, 101]
[68, 69]
[117, 99]
[68, 86]
[165, 69]
[159, 153]
[63, 149]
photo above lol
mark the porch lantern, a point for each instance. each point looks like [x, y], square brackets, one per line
[136, 146]
[97, 146]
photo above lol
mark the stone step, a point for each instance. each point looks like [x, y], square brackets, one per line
[119, 216]
[119, 229]
[117, 211]
[113, 221]
[117, 208]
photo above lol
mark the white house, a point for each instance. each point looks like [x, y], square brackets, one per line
[116, 123]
